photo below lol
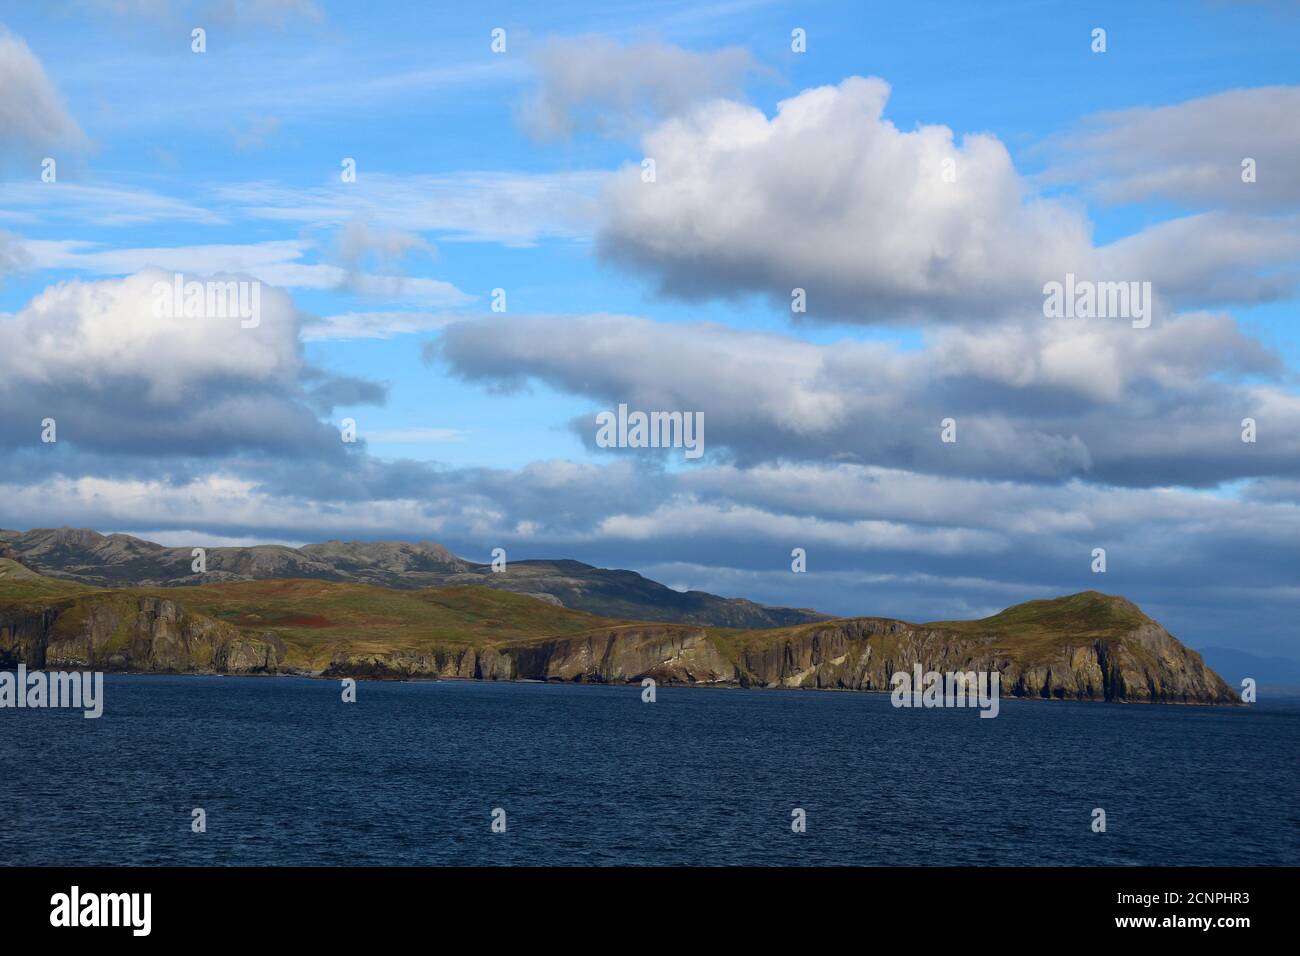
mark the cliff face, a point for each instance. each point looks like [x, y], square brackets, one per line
[137, 634]
[670, 654]
[1145, 664]
[1096, 648]
[1148, 665]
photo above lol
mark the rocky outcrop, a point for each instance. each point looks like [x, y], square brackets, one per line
[670, 655]
[1146, 664]
[132, 633]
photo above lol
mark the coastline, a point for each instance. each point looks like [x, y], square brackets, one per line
[635, 683]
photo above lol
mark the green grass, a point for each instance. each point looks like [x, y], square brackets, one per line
[23, 587]
[1089, 610]
[1043, 626]
[316, 618]
[1029, 629]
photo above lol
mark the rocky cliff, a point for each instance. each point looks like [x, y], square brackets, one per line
[1142, 663]
[120, 632]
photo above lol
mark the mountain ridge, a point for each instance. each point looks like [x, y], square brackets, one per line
[120, 560]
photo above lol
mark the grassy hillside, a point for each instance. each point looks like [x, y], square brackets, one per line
[1024, 629]
[1045, 624]
[315, 618]
[1088, 612]
[22, 587]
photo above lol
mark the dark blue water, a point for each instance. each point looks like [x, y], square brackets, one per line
[587, 774]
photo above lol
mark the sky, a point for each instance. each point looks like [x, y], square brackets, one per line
[922, 171]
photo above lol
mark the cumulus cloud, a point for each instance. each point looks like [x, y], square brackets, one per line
[1047, 402]
[122, 377]
[1190, 153]
[33, 120]
[830, 197]
[594, 83]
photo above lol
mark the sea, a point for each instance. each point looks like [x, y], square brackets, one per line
[478, 773]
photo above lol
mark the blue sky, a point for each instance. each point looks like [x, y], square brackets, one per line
[480, 170]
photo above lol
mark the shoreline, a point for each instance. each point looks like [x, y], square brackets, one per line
[720, 685]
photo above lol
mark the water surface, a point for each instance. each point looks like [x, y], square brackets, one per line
[410, 774]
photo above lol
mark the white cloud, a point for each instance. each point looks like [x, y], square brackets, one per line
[1251, 258]
[372, 325]
[1190, 152]
[750, 524]
[277, 262]
[359, 243]
[830, 197]
[186, 538]
[612, 88]
[33, 120]
[516, 209]
[91, 257]
[33, 201]
[1049, 400]
[123, 378]
[80, 333]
